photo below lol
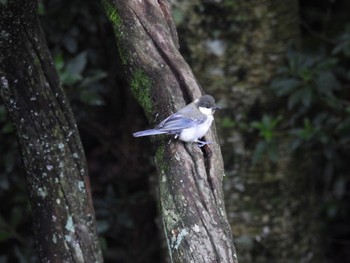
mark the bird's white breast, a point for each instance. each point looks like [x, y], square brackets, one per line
[194, 133]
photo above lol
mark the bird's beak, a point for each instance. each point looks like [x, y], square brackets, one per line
[217, 107]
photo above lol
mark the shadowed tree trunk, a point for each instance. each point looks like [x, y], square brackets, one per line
[271, 207]
[190, 179]
[52, 153]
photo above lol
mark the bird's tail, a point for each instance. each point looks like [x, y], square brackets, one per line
[148, 133]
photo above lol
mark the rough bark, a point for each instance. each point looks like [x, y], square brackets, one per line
[190, 180]
[53, 156]
[264, 202]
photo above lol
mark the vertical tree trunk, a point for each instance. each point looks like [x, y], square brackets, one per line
[265, 201]
[190, 180]
[52, 153]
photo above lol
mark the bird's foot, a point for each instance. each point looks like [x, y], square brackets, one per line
[202, 143]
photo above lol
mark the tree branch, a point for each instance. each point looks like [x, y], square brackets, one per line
[191, 193]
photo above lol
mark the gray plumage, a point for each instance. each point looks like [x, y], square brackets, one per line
[189, 124]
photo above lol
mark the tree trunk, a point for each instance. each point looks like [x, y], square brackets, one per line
[53, 156]
[190, 179]
[245, 42]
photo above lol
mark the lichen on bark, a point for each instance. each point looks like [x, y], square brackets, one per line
[51, 149]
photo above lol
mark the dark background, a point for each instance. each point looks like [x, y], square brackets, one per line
[121, 167]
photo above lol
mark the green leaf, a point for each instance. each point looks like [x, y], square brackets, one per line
[77, 65]
[307, 96]
[295, 144]
[41, 8]
[343, 128]
[344, 45]
[340, 187]
[303, 95]
[91, 97]
[4, 236]
[7, 128]
[332, 210]
[308, 130]
[306, 75]
[266, 121]
[246, 242]
[69, 79]
[272, 152]
[256, 125]
[178, 16]
[304, 133]
[266, 126]
[96, 76]
[70, 43]
[102, 226]
[59, 62]
[227, 123]
[295, 98]
[327, 83]
[292, 61]
[285, 86]
[260, 150]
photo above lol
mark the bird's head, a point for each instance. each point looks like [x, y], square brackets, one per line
[206, 104]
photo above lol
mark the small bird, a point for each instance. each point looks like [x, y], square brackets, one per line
[188, 124]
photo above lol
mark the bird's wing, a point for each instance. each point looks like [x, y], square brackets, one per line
[178, 121]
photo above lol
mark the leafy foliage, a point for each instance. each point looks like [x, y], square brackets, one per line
[315, 91]
[306, 79]
[86, 84]
[267, 128]
[313, 94]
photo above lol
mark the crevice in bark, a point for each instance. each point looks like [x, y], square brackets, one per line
[167, 60]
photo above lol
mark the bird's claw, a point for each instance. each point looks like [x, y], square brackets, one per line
[202, 143]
